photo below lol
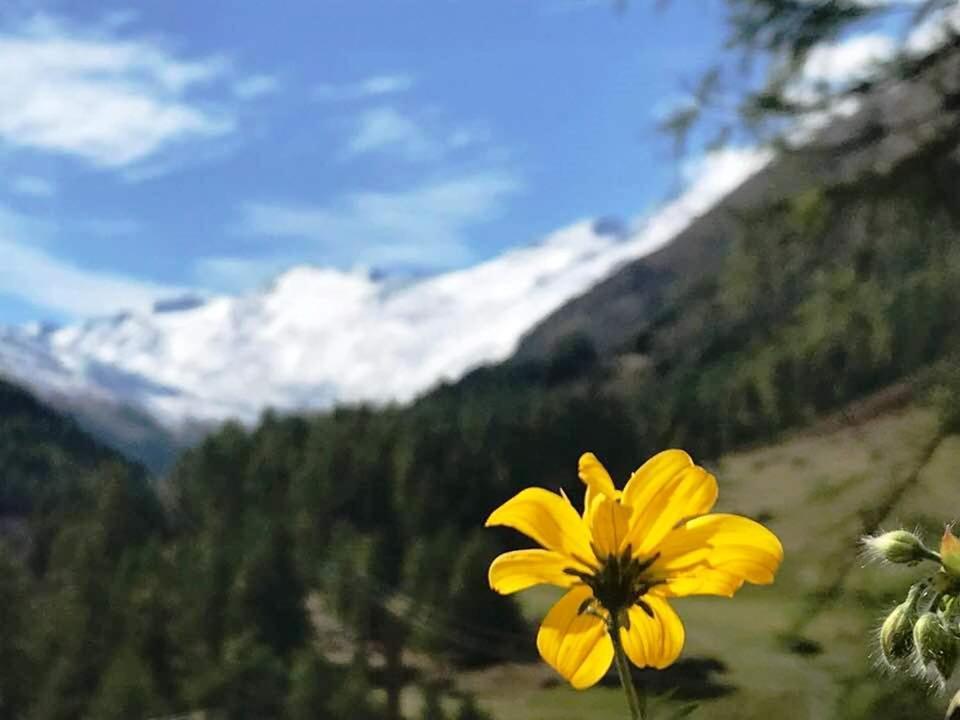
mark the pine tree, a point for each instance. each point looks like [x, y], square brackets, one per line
[432, 707]
[469, 710]
[127, 690]
[17, 671]
[311, 687]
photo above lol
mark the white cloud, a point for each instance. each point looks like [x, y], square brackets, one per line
[255, 86]
[425, 226]
[371, 87]
[108, 101]
[934, 31]
[385, 128]
[852, 59]
[33, 274]
[33, 186]
[464, 137]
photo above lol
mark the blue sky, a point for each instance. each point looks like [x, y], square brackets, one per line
[185, 146]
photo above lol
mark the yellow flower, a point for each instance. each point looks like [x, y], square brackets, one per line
[624, 557]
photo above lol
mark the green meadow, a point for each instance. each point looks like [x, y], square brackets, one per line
[805, 647]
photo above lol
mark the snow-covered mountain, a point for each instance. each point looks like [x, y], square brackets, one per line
[319, 336]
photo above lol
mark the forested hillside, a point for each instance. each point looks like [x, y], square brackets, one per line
[819, 298]
[71, 512]
[43, 455]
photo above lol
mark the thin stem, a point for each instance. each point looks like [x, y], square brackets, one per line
[636, 701]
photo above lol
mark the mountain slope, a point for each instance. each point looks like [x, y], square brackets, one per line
[910, 118]
[319, 336]
[42, 453]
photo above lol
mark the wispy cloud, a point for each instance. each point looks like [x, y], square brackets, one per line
[371, 87]
[255, 86]
[35, 275]
[33, 186]
[111, 102]
[427, 226]
[386, 128]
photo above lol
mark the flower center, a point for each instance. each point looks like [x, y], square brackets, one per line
[619, 583]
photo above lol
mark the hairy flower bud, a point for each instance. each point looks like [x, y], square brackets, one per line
[897, 546]
[935, 644]
[950, 552]
[896, 633]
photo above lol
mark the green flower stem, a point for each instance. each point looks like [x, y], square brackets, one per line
[636, 701]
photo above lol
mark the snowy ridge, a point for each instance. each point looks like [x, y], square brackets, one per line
[320, 336]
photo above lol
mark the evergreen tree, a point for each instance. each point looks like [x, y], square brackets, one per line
[350, 698]
[249, 684]
[127, 690]
[17, 671]
[312, 686]
[492, 621]
[432, 707]
[469, 710]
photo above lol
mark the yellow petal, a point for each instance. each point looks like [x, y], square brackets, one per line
[518, 570]
[575, 644]
[702, 582]
[715, 554]
[548, 518]
[667, 490]
[653, 641]
[609, 522]
[596, 477]
[661, 467]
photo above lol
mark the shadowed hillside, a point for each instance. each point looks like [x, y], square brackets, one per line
[43, 454]
[912, 120]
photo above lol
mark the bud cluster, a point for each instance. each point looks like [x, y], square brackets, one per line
[922, 634]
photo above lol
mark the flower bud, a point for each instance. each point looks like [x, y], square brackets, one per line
[896, 633]
[935, 645]
[897, 546]
[950, 552]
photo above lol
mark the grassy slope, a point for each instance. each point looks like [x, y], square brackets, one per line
[819, 492]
